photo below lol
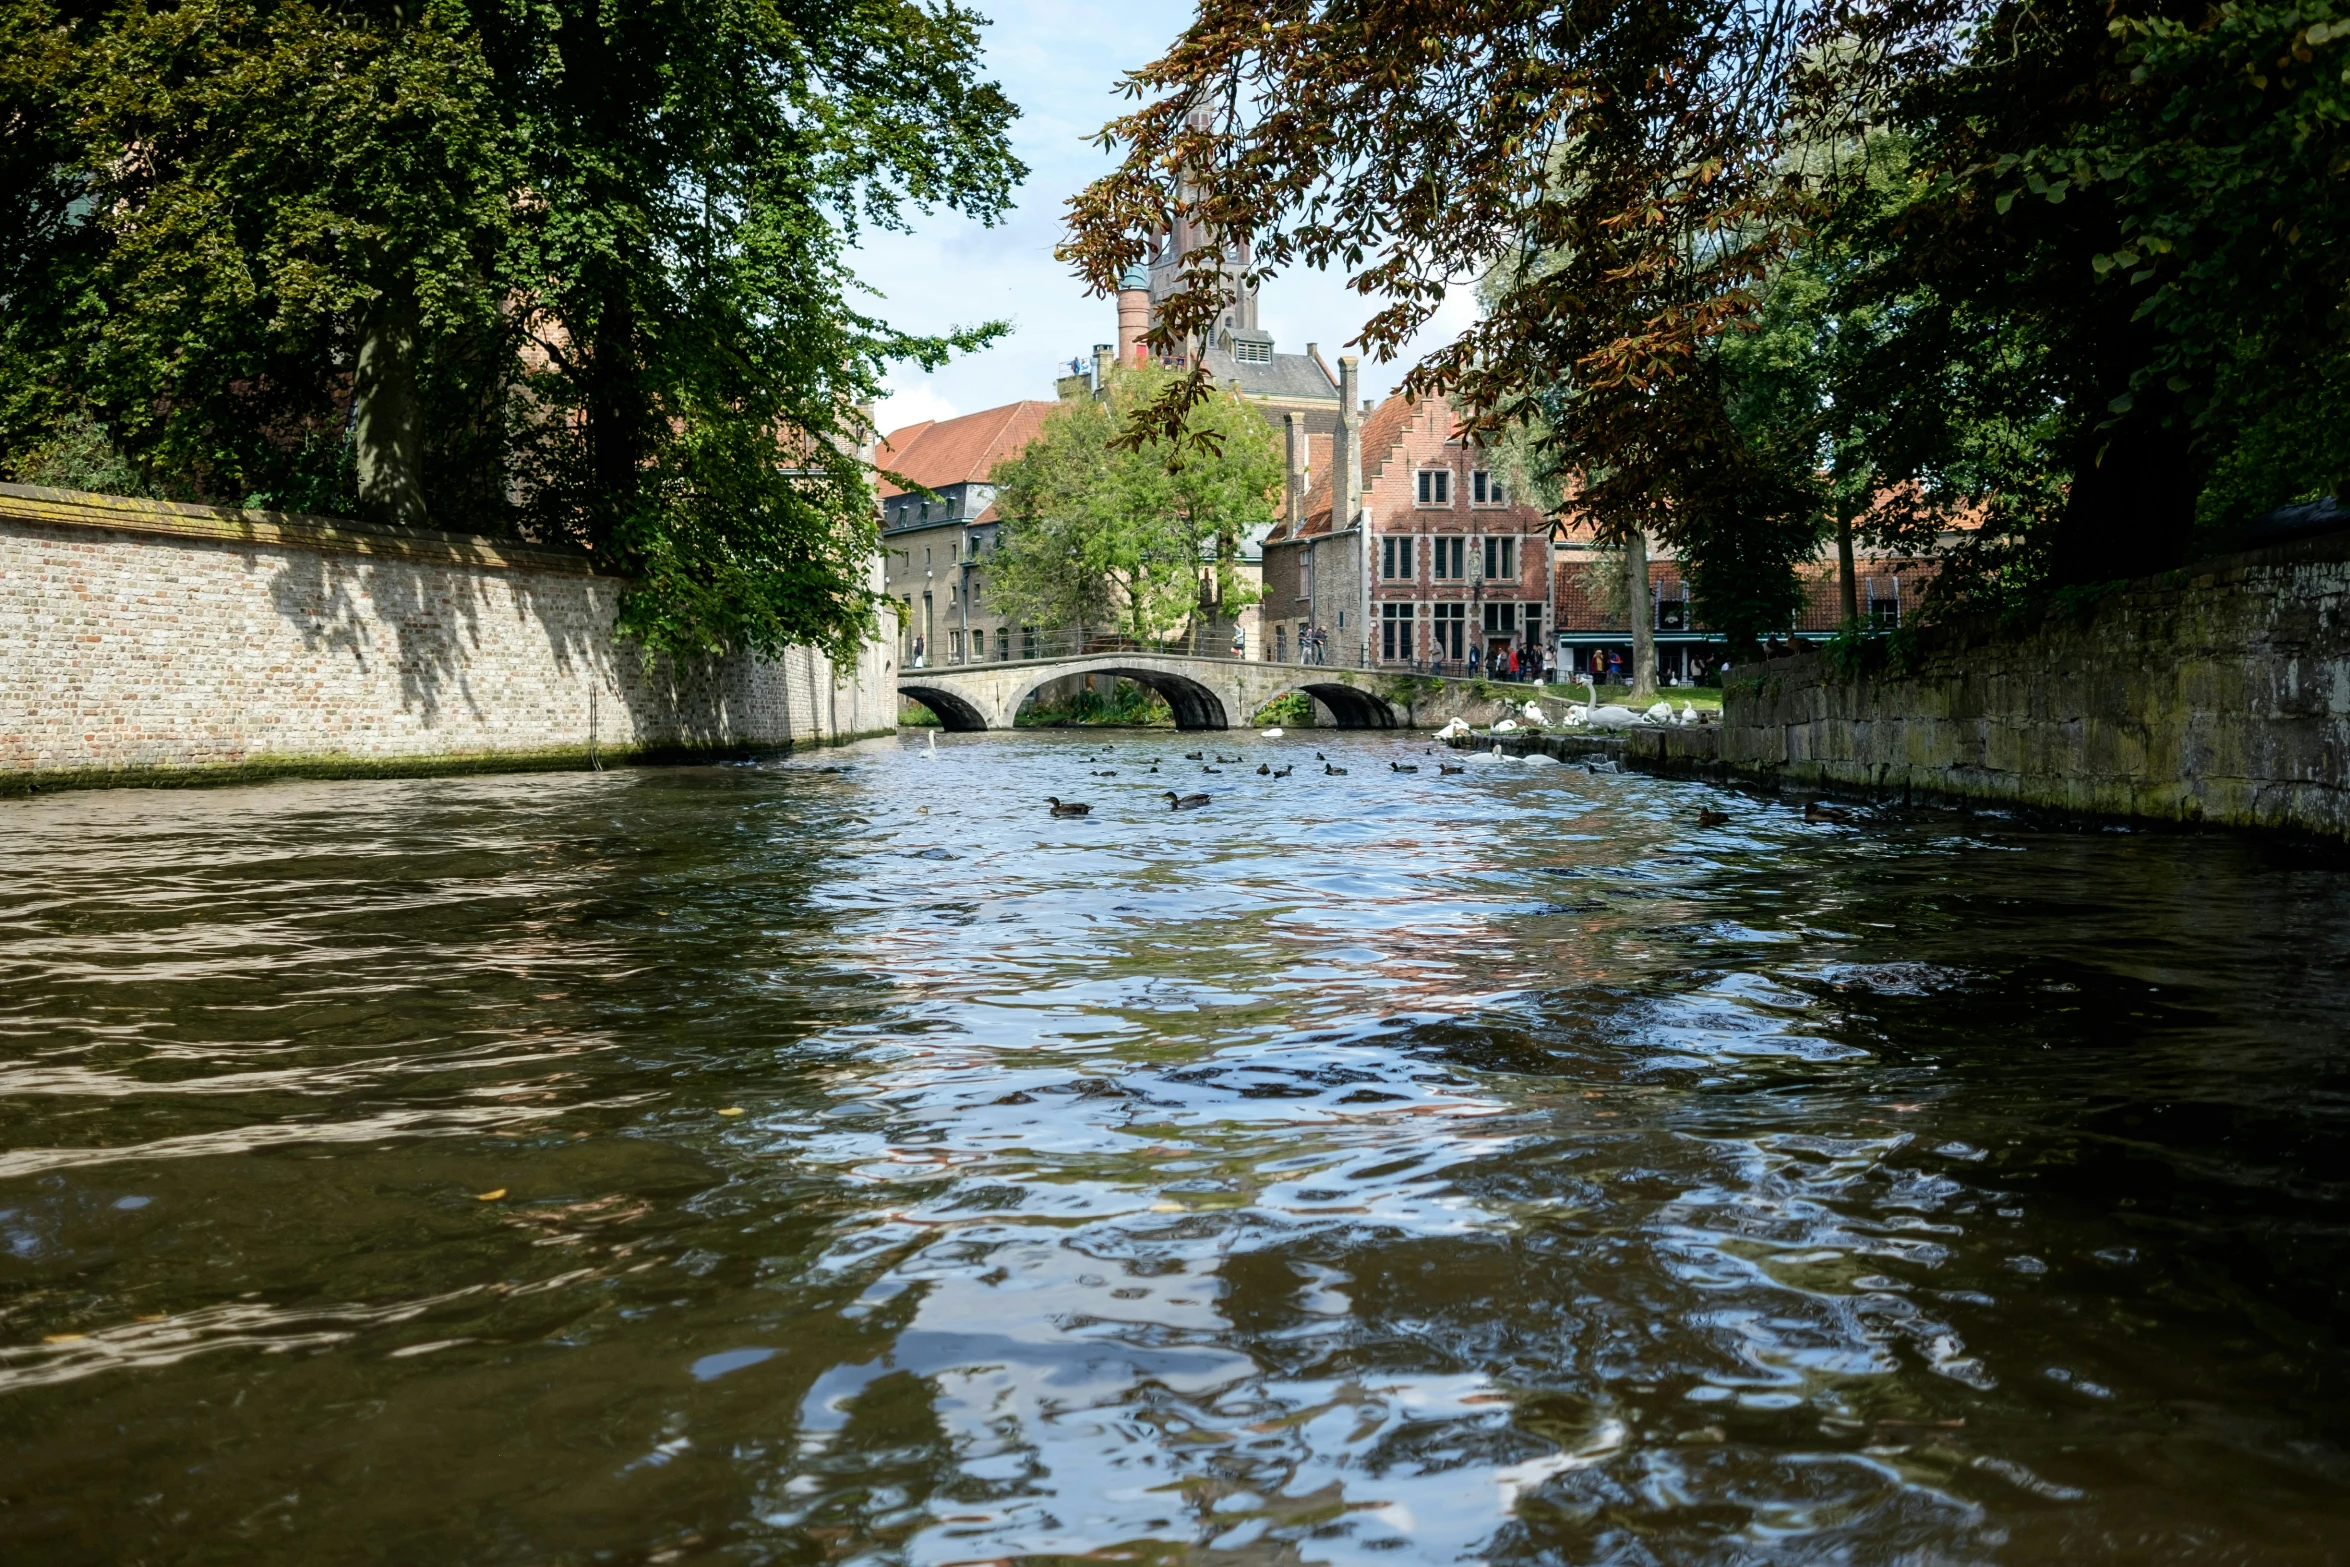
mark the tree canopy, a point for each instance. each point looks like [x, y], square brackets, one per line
[1099, 530]
[570, 271]
[2079, 269]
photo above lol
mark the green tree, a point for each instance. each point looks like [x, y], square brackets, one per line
[1100, 529]
[2082, 266]
[568, 270]
[2110, 274]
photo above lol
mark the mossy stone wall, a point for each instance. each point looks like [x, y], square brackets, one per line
[2219, 694]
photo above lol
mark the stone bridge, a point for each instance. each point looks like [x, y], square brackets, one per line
[1206, 693]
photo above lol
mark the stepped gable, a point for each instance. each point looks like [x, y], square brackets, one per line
[1382, 433]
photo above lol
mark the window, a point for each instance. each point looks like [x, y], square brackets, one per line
[1280, 644]
[1486, 489]
[1672, 607]
[925, 516]
[1501, 559]
[1448, 634]
[1003, 644]
[1395, 556]
[1448, 559]
[1028, 642]
[1305, 573]
[1395, 630]
[1436, 486]
[955, 646]
[1884, 607]
[1248, 353]
[1500, 619]
[1530, 616]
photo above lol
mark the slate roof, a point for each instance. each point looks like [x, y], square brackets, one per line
[940, 453]
[1295, 376]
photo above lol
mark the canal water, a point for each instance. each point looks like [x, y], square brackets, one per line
[842, 1160]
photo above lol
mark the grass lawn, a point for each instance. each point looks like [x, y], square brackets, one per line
[1703, 698]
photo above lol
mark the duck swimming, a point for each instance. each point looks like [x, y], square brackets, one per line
[1185, 802]
[1332, 772]
[1448, 767]
[1283, 772]
[1398, 767]
[1069, 808]
[1706, 818]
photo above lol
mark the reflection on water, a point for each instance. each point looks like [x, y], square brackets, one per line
[842, 1159]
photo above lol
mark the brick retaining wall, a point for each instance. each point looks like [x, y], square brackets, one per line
[145, 642]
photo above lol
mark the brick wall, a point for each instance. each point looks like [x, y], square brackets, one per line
[139, 639]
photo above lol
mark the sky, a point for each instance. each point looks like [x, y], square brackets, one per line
[1060, 61]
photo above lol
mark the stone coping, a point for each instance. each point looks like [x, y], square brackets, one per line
[290, 530]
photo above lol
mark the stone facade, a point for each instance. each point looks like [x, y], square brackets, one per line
[2219, 694]
[146, 642]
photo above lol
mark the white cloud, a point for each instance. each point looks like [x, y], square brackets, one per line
[911, 404]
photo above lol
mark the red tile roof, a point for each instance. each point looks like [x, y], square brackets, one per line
[937, 453]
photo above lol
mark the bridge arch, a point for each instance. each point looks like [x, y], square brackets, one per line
[1196, 705]
[1351, 706]
[955, 715]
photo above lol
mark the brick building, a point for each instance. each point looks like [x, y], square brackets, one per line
[1425, 562]
[1588, 618]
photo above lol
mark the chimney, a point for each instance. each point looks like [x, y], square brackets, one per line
[1346, 494]
[1346, 468]
[1293, 505]
[1104, 355]
[1134, 315]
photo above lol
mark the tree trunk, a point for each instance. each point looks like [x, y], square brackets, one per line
[1847, 577]
[1643, 617]
[387, 440]
[617, 417]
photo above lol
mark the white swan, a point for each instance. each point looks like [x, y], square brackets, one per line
[1273, 733]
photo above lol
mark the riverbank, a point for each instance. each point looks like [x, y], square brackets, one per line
[2216, 696]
